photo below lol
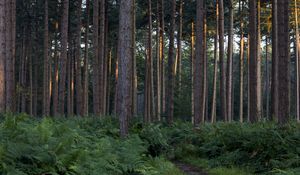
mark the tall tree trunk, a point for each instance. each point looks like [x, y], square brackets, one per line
[134, 71]
[297, 51]
[259, 50]
[10, 53]
[63, 57]
[204, 46]
[46, 90]
[95, 61]
[199, 66]
[229, 64]
[222, 61]
[267, 78]
[101, 49]
[2, 56]
[241, 107]
[85, 91]
[179, 44]
[171, 71]
[193, 70]
[148, 114]
[125, 53]
[283, 62]
[274, 87]
[214, 96]
[79, 90]
[55, 79]
[255, 100]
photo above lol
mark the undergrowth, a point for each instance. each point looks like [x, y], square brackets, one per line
[59, 146]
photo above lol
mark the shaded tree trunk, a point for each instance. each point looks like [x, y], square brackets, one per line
[2, 56]
[171, 71]
[222, 62]
[125, 53]
[85, 90]
[47, 74]
[63, 57]
[283, 62]
[179, 44]
[193, 70]
[241, 106]
[297, 51]
[255, 88]
[274, 87]
[199, 84]
[55, 79]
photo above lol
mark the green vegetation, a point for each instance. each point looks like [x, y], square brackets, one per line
[93, 145]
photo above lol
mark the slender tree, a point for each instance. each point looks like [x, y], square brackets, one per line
[229, 64]
[241, 107]
[179, 41]
[297, 51]
[222, 61]
[63, 57]
[2, 55]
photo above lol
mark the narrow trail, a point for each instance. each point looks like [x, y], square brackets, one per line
[189, 169]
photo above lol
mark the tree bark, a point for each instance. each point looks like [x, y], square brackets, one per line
[95, 61]
[79, 90]
[222, 62]
[46, 76]
[193, 70]
[229, 64]
[214, 96]
[101, 49]
[2, 55]
[297, 46]
[274, 87]
[241, 106]
[85, 90]
[63, 57]
[179, 44]
[55, 79]
[283, 62]
[171, 71]
[125, 53]
[199, 66]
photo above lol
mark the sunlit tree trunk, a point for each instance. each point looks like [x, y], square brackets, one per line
[214, 96]
[229, 64]
[192, 70]
[55, 79]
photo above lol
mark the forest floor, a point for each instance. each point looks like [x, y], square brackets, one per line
[189, 169]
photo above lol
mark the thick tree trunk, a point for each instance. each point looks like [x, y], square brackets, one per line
[255, 100]
[222, 62]
[283, 62]
[199, 66]
[241, 106]
[214, 96]
[63, 57]
[85, 90]
[259, 50]
[274, 87]
[125, 53]
[47, 74]
[229, 64]
[2, 55]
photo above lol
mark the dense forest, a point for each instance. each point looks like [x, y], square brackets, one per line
[209, 84]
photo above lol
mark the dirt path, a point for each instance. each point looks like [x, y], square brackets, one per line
[189, 169]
